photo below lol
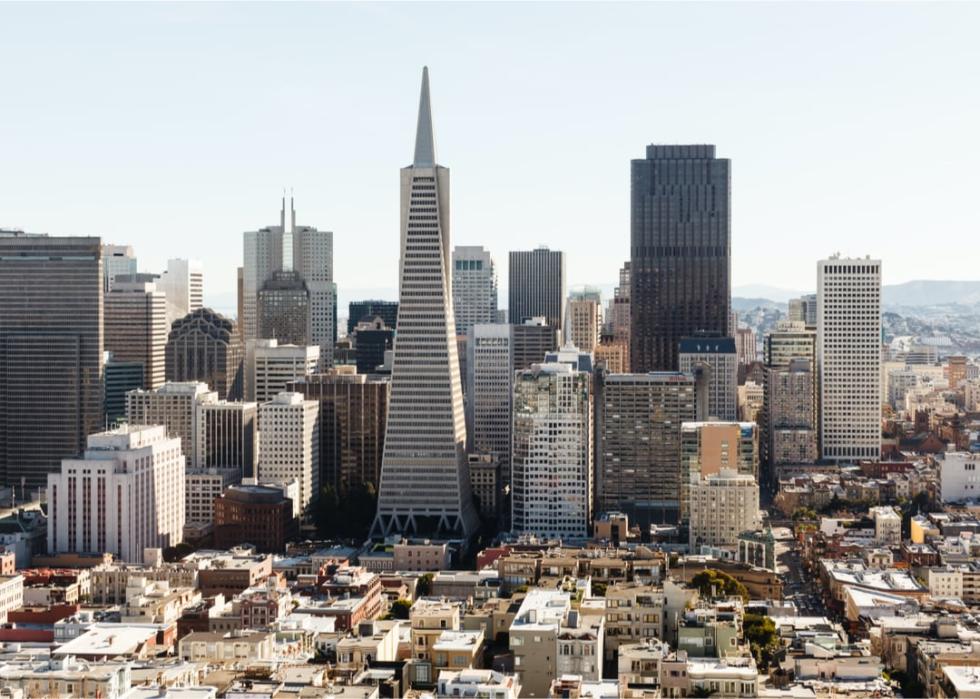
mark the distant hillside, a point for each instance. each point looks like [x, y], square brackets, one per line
[742, 304]
[924, 292]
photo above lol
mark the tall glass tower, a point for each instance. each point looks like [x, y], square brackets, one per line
[680, 257]
[425, 486]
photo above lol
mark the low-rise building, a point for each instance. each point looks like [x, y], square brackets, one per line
[227, 648]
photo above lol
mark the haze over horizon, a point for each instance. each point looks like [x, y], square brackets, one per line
[848, 127]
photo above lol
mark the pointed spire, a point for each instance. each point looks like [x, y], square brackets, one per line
[425, 146]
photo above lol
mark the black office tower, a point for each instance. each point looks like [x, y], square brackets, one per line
[680, 222]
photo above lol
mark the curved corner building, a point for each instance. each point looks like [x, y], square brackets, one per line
[424, 481]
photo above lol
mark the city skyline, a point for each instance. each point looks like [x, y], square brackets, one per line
[338, 152]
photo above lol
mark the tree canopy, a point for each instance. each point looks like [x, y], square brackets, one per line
[715, 583]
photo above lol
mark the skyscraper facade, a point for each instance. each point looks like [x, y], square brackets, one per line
[791, 427]
[116, 260]
[638, 429]
[583, 319]
[353, 414]
[551, 458]
[289, 444]
[173, 405]
[269, 367]
[203, 346]
[490, 379]
[51, 352]
[424, 479]
[183, 283]
[136, 325]
[715, 360]
[474, 287]
[284, 309]
[680, 254]
[849, 357]
[226, 436]
[368, 310]
[532, 339]
[537, 286]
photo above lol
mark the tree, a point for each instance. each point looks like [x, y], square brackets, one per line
[715, 583]
[702, 692]
[760, 632]
[400, 608]
[599, 589]
[424, 585]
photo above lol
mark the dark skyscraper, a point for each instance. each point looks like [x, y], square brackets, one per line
[537, 286]
[51, 340]
[367, 310]
[680, 269]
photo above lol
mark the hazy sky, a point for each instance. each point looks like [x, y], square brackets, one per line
[175, 127]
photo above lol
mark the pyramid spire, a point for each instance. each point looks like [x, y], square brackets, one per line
[425, 146]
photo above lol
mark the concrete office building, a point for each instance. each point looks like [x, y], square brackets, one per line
[474, 287]
[308, 253]
[269, 367]
[583, 319]
[536, 281]
[258, 514]
[723, 505]
[849, 357]
[532, 339]
[490, 379]
[680, 265]
[123, 496]
[290, 444]
[136, 327]
[424, 481]
[204, 346]
[183, 284]
[551, 457]
[638, 429]
[116, 260]
[284, 309]
[707, 448]
[353, 415]
[788, 341]
[51, 352]
[716, 361]
[226, 436]
[202, 487]
[791, 427]
[173, 405]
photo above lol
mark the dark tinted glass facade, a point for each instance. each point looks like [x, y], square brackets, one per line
[367, 310]
[680, 251]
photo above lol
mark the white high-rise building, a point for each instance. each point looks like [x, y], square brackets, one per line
[425, 484]
[289, 444]
[123, 496]
[173, 405]
[269, 366]
[474, 287]
[714, 361]
[183, 283]
[116, 260]
[723, 505]
[849, 357]
[301, 249]
[551, 458]
[490, 380]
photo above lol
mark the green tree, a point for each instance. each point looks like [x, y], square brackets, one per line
[599, 589]
[715, 583]
[400, 608]
[424, 585]
[760, 632]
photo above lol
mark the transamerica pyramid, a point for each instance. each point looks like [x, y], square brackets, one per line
[425, 488]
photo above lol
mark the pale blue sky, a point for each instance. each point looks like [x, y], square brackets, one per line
[174, 127]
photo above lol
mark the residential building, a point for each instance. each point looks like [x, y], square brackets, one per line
[289, 444]
[269, 367]
[792, 421]
[204, 346]
[478, 683]
[124, 495]
[723, 505]
[638, 429]
[849, 357]
[183, 284]
[533, 637]
[136, 327]
[707, 448]
[680, 267]
[424, 482]
[959, 479]
[116, 260]
[173, 405]
[474, 287]
[51, 352]
[536, 286]
[551, 458]
[714, 361]
[353, 414]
